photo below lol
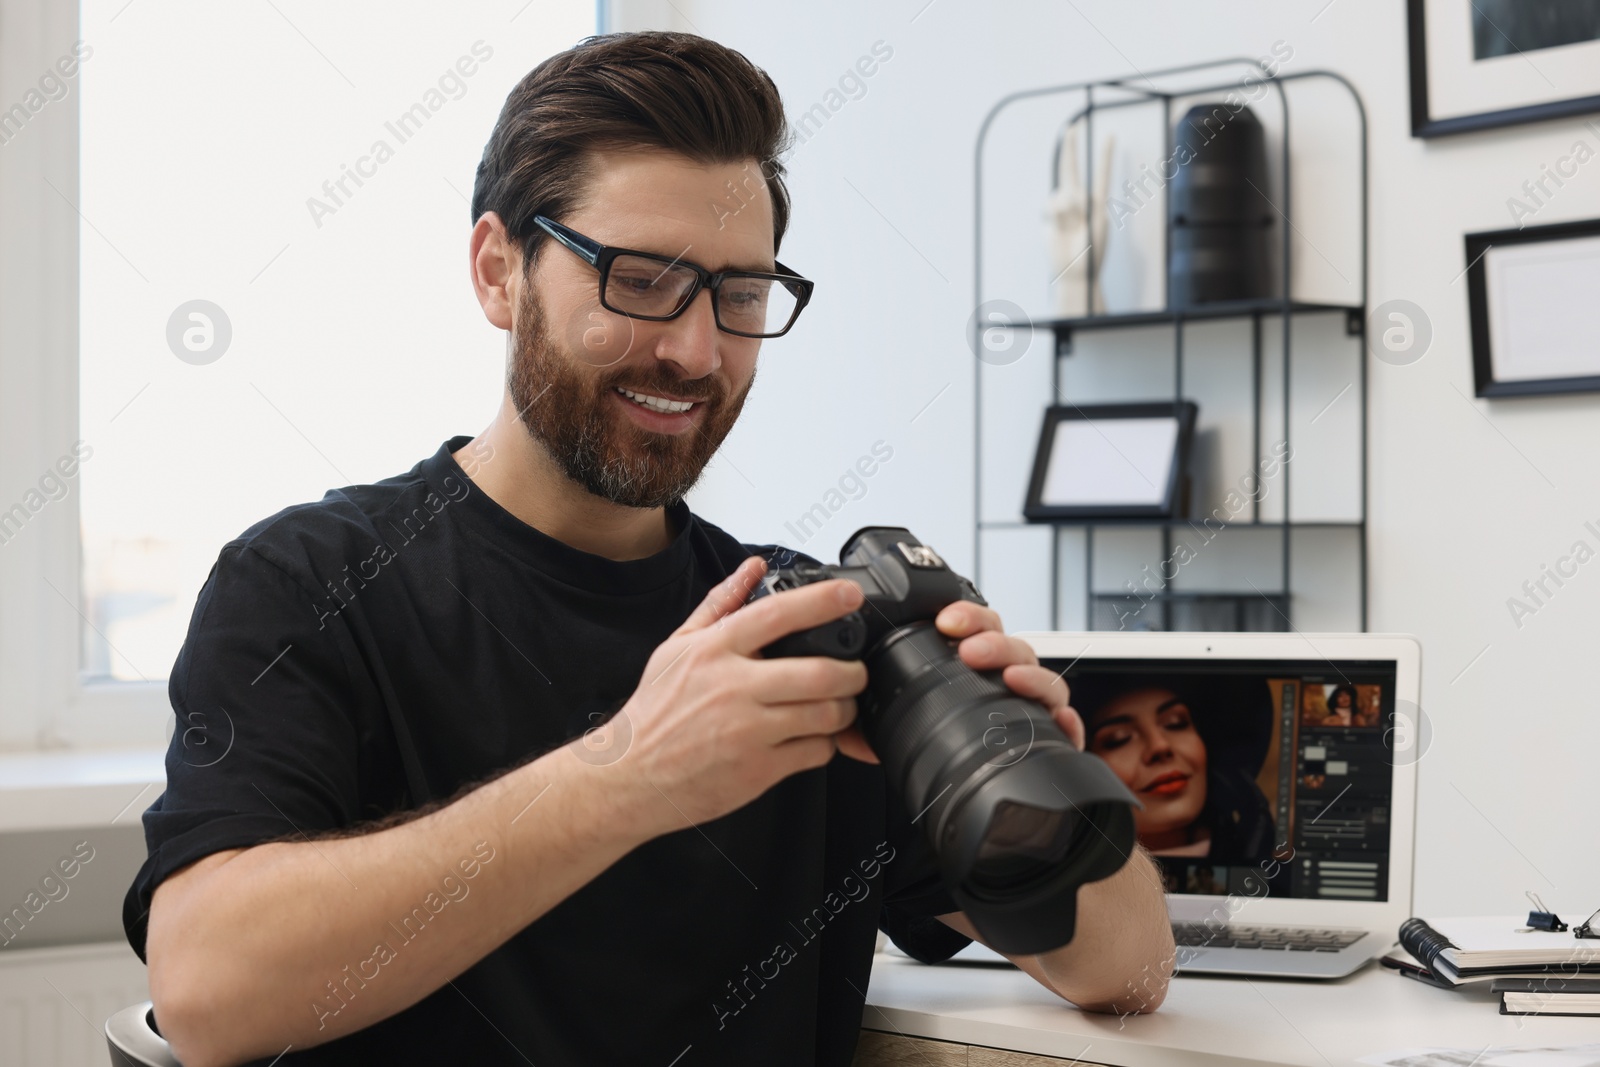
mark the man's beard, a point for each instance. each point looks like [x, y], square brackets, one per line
[571, 415]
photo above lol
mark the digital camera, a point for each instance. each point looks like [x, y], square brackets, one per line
[1018, 817]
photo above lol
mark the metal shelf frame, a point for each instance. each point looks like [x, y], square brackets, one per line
[1284, 307]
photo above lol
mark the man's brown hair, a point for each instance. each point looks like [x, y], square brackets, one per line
[651, 89]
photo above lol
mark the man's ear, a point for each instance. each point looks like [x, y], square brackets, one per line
[496, 268]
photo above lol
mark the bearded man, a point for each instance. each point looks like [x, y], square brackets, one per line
[509, 780]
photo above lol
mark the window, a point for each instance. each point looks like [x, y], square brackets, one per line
[274, 296]
[271, 206]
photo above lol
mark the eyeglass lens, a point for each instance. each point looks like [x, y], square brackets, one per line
[639, 286]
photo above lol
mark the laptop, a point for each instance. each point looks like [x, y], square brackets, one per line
[1277, 774]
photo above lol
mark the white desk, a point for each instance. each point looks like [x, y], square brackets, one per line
[1204, 1021]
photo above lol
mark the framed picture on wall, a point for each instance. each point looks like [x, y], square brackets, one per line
[1531, 295]
[1479, 64]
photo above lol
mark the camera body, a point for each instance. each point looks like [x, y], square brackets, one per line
[902, 580]
[1017, 816]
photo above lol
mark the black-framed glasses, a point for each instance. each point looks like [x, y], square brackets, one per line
[642, 285]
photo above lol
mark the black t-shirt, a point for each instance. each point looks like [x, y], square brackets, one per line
[392, 643]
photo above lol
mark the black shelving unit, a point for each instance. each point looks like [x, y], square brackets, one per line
[1172, 602]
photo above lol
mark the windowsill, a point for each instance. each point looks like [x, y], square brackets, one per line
[58, 790]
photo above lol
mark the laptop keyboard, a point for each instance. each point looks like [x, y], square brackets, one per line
[1267, 938]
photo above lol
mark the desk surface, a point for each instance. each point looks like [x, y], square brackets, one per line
[1205, 1021]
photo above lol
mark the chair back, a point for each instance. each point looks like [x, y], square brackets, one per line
[135, 1041]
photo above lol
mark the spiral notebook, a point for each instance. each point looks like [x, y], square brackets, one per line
[1453, 952]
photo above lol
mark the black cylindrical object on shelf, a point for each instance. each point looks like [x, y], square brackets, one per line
[1217, 208]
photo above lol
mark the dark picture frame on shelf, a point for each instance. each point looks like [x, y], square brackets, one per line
[1483, 64]
[1530, 298]
[1111, 461]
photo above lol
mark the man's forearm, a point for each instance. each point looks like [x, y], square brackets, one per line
[297, 943]
[1122, 955]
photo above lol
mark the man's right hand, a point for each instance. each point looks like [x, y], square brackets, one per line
[713, 725]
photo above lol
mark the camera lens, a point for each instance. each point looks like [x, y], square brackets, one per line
[1019, 832]
[1019, 817]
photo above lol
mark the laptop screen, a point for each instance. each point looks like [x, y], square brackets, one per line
[1258, 777]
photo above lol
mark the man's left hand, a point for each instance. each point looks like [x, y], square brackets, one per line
[985, 646]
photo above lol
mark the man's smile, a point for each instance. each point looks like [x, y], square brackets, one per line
[659, 414]
[665, 405]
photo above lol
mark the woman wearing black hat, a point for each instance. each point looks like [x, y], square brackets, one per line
[1189, 747]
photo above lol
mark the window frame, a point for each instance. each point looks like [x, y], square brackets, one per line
[44, 701]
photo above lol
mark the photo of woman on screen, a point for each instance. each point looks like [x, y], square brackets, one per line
[1200, 798]
[1341, 706]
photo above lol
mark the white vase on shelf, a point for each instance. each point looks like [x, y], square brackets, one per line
[1067, 227]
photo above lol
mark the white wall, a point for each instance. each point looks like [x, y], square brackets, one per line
[1468, 499]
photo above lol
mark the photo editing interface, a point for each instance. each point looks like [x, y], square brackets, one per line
[1259, 778]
